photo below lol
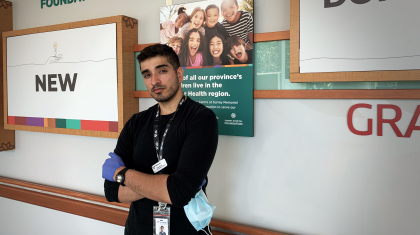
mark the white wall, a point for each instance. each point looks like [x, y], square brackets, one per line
[303, 172]
[18, 218]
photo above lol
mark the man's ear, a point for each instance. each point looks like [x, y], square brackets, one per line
[180, 74]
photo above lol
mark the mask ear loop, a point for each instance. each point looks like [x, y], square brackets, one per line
[206, 232]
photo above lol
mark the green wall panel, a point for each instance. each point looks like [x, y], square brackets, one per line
[139, 79]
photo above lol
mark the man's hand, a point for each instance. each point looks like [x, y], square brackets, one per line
[110, 166]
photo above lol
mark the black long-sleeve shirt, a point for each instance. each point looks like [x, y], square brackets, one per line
[189, 149]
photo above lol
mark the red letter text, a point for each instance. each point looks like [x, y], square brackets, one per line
[350, 120]
[412, 125]
[390, 121]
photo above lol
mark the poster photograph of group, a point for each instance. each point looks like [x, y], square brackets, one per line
[206, 33]
[214, 43]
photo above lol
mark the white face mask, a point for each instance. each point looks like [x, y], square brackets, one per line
[199, 211]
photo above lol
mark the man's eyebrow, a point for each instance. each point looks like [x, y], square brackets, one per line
[145, 71]
[157, 67]
[161, 65]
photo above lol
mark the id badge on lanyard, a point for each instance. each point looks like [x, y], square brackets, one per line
[161, 219]
[161, 213]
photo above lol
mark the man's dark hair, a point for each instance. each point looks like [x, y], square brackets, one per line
[159, 50]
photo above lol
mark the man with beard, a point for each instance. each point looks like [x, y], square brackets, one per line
[164, 153]
[162, 232]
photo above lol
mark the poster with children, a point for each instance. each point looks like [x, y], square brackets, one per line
[214, 43]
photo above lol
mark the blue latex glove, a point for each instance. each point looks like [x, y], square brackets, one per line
[110, 166]
[204, 182]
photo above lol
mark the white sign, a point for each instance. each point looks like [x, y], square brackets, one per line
[68, 74]
[359, 35]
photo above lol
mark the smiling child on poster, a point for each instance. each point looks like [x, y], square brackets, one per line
[237, 22]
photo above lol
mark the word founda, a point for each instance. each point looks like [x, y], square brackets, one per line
[50, 3]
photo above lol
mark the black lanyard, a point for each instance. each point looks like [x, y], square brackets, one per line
[158, 144]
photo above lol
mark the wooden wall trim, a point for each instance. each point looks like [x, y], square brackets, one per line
[241, 229]
[324, 94]
[7, 137]
[84, 209]
[294, 36]
[337, 94]
[366, 76]
[79, 195]
[258, 37]
[142, 94]
[272, 36]
[37, 194]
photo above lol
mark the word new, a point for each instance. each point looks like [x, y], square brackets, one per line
[328, 3]
[412, 127]
[52, 83]
[49, 3]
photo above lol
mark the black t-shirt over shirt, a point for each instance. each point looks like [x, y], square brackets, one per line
[189, 149]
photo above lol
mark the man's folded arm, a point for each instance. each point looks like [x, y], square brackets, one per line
[196, 158]
[145, 185]
[125, 194]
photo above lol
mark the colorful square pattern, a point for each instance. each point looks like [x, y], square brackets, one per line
[64, 123]
[219, 66]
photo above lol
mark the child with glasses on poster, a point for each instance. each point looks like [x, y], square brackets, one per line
[175, 43]
[193, 53]
[197, 19]
[236, 47]
[238, 22]
[212, 23]
[169, 28]
[217, 54]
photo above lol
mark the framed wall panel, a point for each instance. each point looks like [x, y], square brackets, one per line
[7, 137]
[74, 78]
[296, 73]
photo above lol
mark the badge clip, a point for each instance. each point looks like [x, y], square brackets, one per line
[159, 166]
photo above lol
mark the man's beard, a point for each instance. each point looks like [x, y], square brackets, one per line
[172, 90]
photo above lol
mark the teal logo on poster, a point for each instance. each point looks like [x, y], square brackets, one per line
[50, 3]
